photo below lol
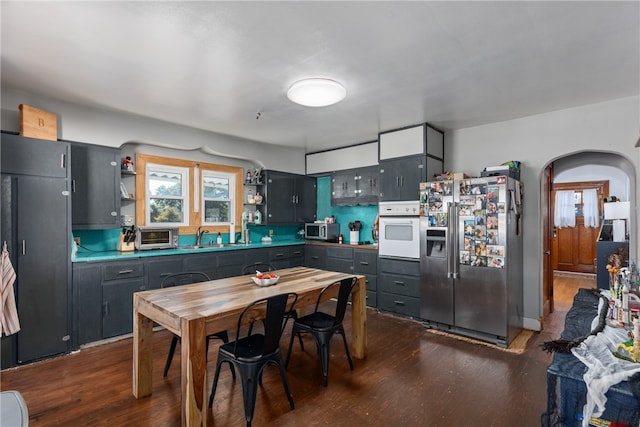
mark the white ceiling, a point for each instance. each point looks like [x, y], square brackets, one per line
[216, 65]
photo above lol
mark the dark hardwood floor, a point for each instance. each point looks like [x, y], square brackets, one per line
[411, 377]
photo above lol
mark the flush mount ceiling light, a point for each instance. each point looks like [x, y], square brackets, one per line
[316, 92]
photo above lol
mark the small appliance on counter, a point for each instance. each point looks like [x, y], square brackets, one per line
[156, 238]
[322, 231]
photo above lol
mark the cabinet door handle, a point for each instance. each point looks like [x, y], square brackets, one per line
[279, 256]
[399, 283]
[315, 257]
[364, 263]
[73, 185]
[397, 181]
[105, 309]
[125, 271]
[164, 274]
[63, 160]
[24, 247]
[297, 253]
[398, 302]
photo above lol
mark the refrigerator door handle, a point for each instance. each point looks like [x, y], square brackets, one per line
[452, 245]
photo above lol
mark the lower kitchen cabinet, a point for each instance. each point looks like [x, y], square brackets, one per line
[399, 286]
[347, 259]
[117, 306]
[365, 261]
[315, 256]
[286, 256]
[159, 268]
[103, 291]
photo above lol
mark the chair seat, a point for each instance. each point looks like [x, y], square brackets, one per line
[318, 321]
[248, 349]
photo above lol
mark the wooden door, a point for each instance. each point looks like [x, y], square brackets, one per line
[547, 241]
[574, 248]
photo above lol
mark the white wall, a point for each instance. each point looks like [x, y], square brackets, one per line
[113, 128]
[536, 141]
[618, 180]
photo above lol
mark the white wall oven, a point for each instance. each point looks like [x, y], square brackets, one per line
[399, 229]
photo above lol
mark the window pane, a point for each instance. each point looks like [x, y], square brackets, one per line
[165, 184]
[166, 210]
[216, 211]
[215, 187]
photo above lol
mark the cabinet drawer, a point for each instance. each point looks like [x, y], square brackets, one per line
[315, 256]
[341, 265]
[296, 252]
[277, 254]
[372, 297]
[410, 268]
[157, 270]
[372, 282]
[365, 262]
[401, 285]
[400, 304]
[337, 252]
[122, 271]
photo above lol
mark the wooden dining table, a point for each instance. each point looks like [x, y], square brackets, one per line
[194, 311]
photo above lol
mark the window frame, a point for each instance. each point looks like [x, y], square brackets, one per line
[184, 172]
[232, 187]
[195, 216]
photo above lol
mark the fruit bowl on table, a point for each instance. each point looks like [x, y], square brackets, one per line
[266, 281]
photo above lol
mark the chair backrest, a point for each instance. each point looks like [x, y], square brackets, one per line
[257, 266]
[184, 278]
[272, 310]
[345, 287]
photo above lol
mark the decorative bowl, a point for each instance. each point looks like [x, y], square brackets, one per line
[265, 282]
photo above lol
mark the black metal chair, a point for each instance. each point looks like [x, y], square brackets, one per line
[186, 278]
[323, 325]
[264, 267]
[253, 352]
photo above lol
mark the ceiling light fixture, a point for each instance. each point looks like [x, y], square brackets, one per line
[316, 92]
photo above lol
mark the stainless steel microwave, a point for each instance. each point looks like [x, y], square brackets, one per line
[156, 238]
[322, 231]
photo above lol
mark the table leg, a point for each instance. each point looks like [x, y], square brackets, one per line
[359, 320]
[142, 353]
[194, 372]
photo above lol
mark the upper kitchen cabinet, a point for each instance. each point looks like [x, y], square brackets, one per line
[355, 187]
[95, 173]
[290, 198]
[407, 157]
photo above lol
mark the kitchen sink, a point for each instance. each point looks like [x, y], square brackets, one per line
[195, 247]
[224, 245]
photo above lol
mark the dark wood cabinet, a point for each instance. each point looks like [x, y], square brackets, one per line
[36, 226]
[95, 175]
[400, 178]
[399, 286]
[290, 198]
[355, 187]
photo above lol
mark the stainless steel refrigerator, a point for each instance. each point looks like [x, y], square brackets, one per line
[471, 257]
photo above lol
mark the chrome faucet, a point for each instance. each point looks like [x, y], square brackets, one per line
[199, 234]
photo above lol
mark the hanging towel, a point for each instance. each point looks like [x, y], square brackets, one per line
[9, 323]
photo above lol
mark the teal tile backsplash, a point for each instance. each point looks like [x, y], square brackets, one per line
[345, 214]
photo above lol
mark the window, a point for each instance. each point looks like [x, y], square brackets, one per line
[167, 196]
[187, 194]
[218, 190]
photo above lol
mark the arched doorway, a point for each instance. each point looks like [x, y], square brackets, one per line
[582, 166]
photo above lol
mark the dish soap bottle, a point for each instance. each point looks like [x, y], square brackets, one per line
[219, 239]
[257, 218]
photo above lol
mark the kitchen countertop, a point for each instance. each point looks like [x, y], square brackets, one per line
[87, 256]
